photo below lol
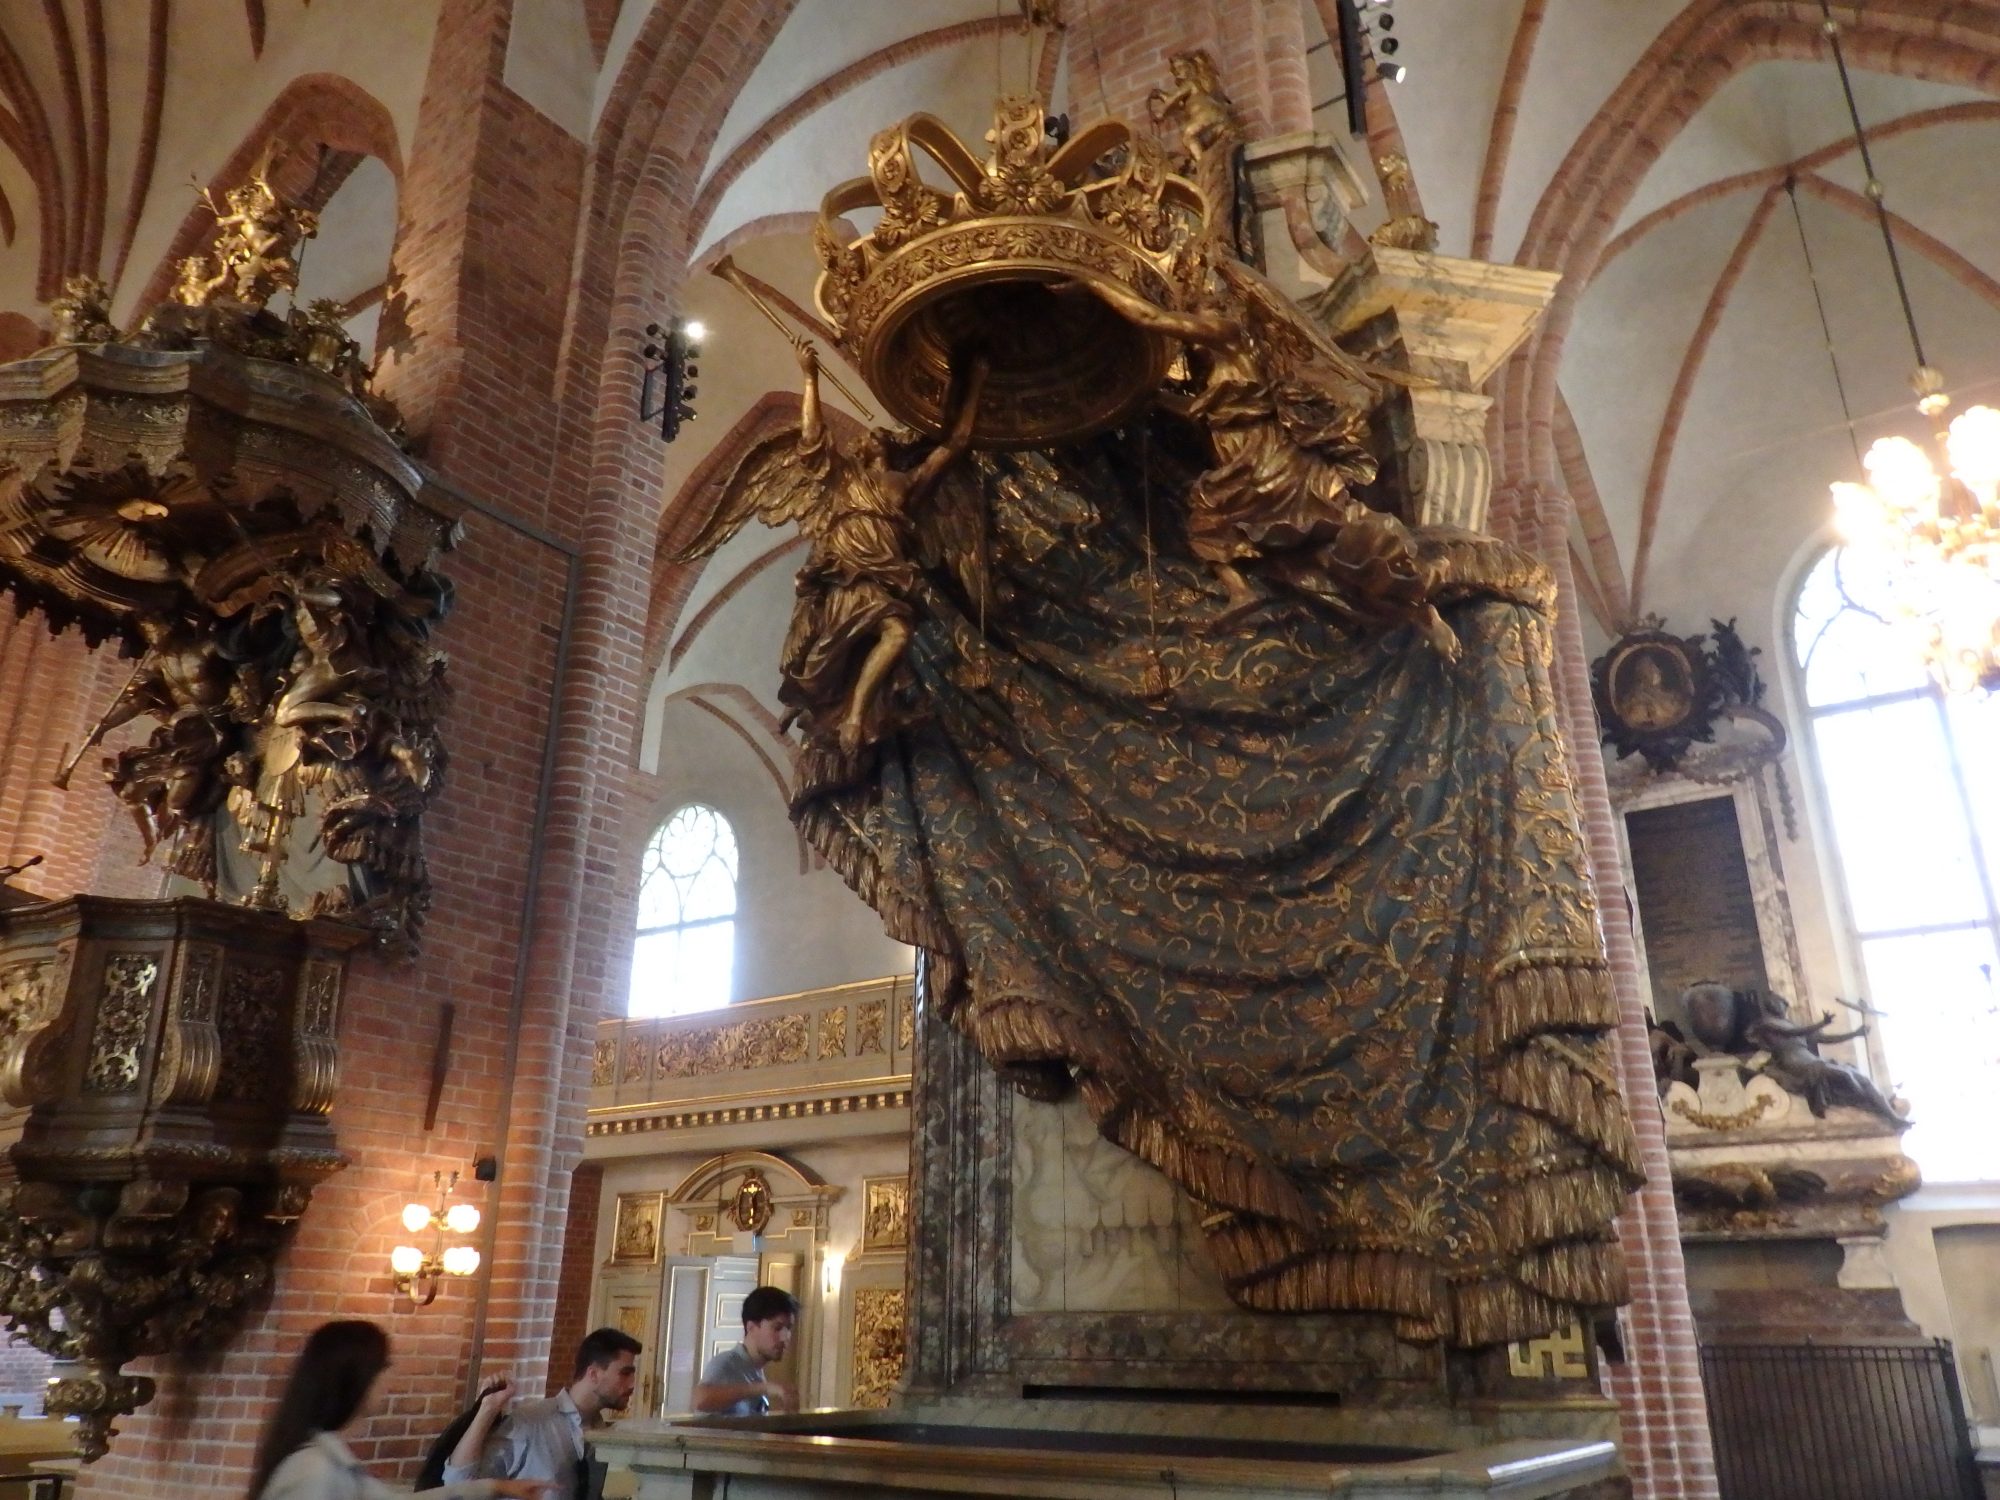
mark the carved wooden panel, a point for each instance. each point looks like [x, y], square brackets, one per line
[122, 1012]
[771, 1042]
[877, 1343]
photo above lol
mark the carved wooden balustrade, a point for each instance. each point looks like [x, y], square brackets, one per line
[812, 1056]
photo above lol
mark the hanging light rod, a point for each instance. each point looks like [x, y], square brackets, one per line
[1929, 385]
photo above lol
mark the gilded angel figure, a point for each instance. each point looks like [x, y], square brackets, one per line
[253, 243]
[852, 621]
[1286, 415]
[1208, 120]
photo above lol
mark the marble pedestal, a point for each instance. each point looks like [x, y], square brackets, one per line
[1058, 1285]
[1078, 1454]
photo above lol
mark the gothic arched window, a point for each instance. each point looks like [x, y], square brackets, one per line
[1912, 780]
[685, 957]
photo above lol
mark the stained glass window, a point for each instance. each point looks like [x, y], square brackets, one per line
[685, 957]
[1912, 780]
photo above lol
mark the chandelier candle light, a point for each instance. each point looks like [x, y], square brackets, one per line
[1939, 532]
[417, 1273]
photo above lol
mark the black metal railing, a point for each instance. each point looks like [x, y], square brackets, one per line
[1838, 1422]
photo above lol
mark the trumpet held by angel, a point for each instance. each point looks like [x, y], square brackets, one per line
[870, 511]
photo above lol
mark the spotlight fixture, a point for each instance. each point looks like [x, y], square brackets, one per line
[1362, 24]
[667, 392]
[417, 1273]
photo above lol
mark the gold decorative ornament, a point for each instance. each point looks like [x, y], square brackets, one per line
[750, 1209]
[1561, 1355]
[773, 1042]
[878, 1341]
[1405, 228]
[859, 506]
[870, 1017]
[221, 493]
[833, 1032]
[885, 1213]
[166, 1069]
[635, 1229]
[1210, 132]
[945, 272]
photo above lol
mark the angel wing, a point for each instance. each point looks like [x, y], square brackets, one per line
[951, 531]
[780, 479]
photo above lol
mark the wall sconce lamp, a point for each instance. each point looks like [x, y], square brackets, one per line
[829, 1273]
[418, 1273]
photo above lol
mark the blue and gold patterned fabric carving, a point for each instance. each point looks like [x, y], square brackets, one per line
[1299, 906]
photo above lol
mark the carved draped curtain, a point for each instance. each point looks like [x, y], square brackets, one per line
[1301, 910]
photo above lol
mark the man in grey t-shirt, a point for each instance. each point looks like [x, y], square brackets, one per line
[733, 1383]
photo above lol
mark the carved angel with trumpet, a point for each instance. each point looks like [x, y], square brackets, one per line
[862, 509]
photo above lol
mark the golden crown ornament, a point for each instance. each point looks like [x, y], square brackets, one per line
[982, 267]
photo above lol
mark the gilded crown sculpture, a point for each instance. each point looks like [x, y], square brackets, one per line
[979, 267]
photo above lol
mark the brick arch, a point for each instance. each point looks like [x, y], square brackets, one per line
[800, 222]
[1573, 221]
[19, 336]
[314, 109]
[774, 754]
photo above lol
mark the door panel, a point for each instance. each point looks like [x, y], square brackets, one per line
[679, 1356]
[783, 1272]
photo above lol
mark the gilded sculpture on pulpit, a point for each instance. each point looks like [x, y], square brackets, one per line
[281, 617]
[82, 314]
[257, 230]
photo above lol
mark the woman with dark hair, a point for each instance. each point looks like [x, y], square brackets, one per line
[335, 1387]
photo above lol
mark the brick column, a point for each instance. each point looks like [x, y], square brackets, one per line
[1118, 51]
[1662, 1410]
[579, 1264]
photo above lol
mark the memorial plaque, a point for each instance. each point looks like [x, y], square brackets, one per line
[1693, 890]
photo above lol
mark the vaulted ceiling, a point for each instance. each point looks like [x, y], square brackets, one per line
[1698, 420]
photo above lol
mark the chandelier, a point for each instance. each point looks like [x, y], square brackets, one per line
[1940, 534]
[1935, 526]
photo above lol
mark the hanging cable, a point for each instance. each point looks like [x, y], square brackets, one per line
[1825, 328]
[1873, 188]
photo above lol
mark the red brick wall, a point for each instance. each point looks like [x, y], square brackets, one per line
[24, 1373]
[579, 1263]
[1118, 52]
[1663, 1413]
